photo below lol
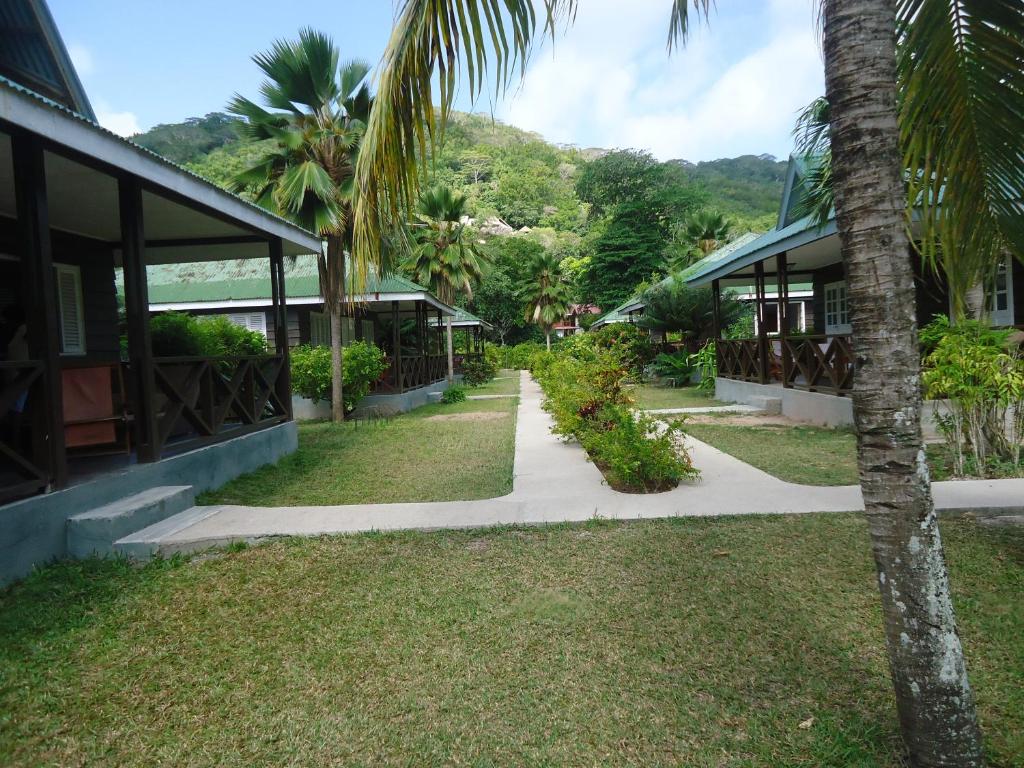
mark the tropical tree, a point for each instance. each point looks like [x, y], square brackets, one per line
[444, 258]
[707, 230]
[672, 305]
[935, 703]
[318, 108]
[547, 295]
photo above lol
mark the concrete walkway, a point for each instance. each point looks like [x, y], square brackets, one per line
[737, 408]
[554, 482]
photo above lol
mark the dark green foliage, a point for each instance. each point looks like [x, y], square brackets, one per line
[176, 334]
[630, 345]
[518, 357]
[677, 366]
[675, 306]
[363, 365]
[626, 253]
[587, 402]
[479, 371]
[622, 176]
[748, 187]
[190, 140]
[453, 395]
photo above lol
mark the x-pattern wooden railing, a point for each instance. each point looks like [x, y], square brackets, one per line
[818, 363]
[738, 359]
[420, 370]
[218, 397]
[21, 474]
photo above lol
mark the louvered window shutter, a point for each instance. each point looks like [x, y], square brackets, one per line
[72, 317]
[254, 321]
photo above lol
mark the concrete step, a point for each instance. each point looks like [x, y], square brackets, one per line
[144, 543]
[94, 532]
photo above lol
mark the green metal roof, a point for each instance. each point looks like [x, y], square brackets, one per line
[248, 279]
[465, 317]
[616, 315]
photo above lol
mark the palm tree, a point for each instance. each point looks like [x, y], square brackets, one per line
[547, 294]
[707, 230]
[444, 259]
[318, 108]
[935, 703]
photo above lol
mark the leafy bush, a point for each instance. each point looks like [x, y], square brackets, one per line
[672, 305]
[219, 337]
[453, 395]
[705, 360]
[175, 334]
[478, 371]
[518, 357]
[677, 366]
[362, 366]
[631, 346]
[930, 335]
[742, 327]
[587, 402]
[973, 367]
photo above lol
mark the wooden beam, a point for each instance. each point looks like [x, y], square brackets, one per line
[136, 301]
[716, 310]
[41, 313]
[396, 342]
[283, 385]
[762, 333]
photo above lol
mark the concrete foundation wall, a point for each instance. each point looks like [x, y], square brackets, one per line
[33, 530]
[401, 403]
[812, 407]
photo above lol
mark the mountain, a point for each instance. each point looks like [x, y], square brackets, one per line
[504, 171]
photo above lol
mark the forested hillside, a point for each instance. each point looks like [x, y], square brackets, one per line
[614, 219]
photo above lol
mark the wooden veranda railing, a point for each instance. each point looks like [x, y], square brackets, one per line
[818, 363]
[24, 467]
[207, 399]
[420, 370]
[815, 363]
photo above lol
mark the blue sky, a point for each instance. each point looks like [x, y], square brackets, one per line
[606, 82]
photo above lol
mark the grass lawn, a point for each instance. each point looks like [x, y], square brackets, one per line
[412, 457]
[507, 383]
[648, 396]
[695, 642]
[805, 455]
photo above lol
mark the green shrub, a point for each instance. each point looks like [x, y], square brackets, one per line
[630, 344]
[219, 337]
[678, 366]
[518, 357]
[453, 395]
[175, 334]
[705, 360]
[478, 371]
[362, 364]
[587, 402]
[973, 367]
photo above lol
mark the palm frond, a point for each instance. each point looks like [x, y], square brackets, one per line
[446, 38]
[961, 70]
[679, 20]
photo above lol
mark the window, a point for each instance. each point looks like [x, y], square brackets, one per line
[1000, 298]
[319, 329]
[837, 314]
[254, 321]
[368, 330]
[69, 302]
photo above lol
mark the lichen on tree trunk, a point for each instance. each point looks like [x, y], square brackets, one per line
[934, 698]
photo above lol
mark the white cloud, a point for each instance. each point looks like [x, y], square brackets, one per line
[121, 123]
[735, 88]
[82, 59]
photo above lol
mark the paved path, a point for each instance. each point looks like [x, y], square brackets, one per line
[748, 409]
[554, 482]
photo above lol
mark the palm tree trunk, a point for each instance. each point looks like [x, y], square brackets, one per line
[933, 695]
[547, 338]
[332, 286]
[337, 400]
[451, 351]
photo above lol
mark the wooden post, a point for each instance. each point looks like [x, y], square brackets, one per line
[782, 279]
[716, 310]
[283, 385]
[136, 304]
[396, 342]
[40, 302]
[762, 333]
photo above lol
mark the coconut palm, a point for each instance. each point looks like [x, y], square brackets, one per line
[318, 107]
[547, 294]
[444, 257]
[979, 39]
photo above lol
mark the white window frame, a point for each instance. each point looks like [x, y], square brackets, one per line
[839, 311]
[1002, 316]
[244, 320]
[79, 309]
